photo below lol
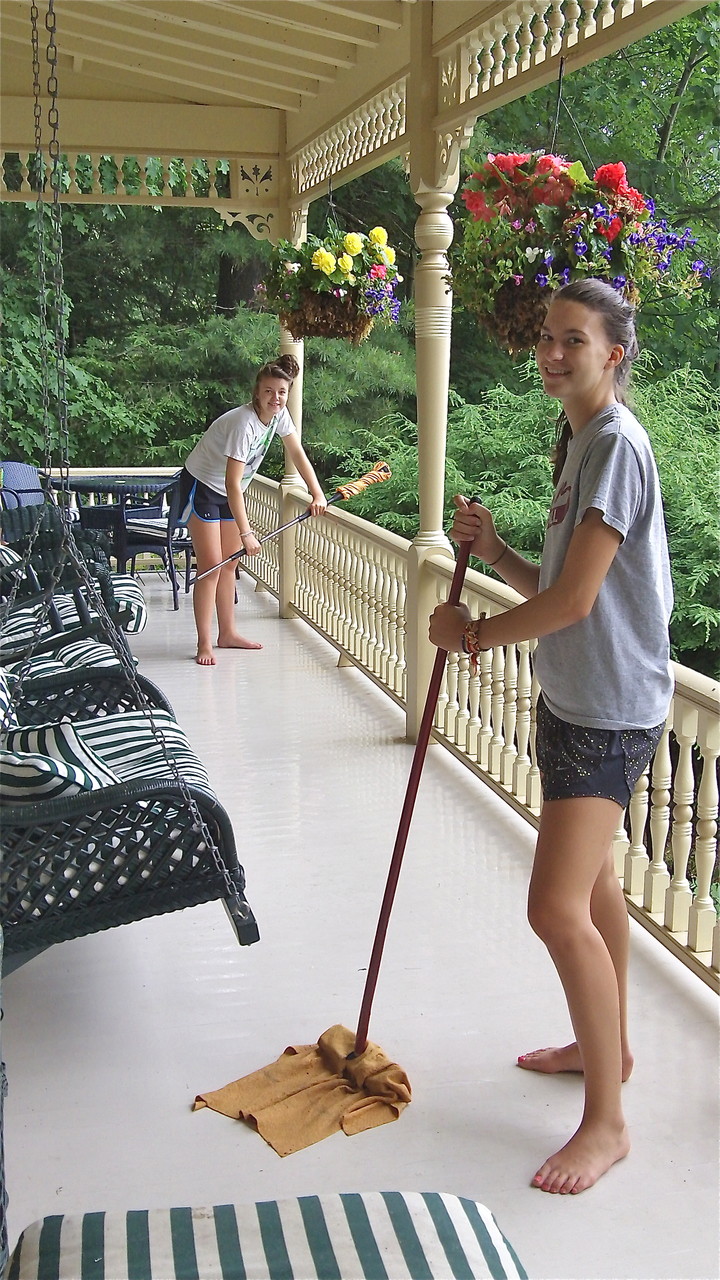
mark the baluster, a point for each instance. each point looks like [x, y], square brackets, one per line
[589, 25]
[657, 876]
[556, 23]
[485, 665]
[524, 706]
[605, 15]
[385, 650]
[365, 612]
[401, 668]
[391, 675]
[512, 48]
[525, 36]
[702, 912]
[572, 14]
[462, 717]
[533, 784]
[498, 710]
[473, 725]
[451, 705]
[620, 845]
[474, 70]
[678, 897]
[498, 52]
[539, 33]
[636, 857]
[486, 62]
[96, 181]
[376, 613]
[508, 754]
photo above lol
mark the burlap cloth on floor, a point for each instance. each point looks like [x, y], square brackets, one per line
[312, 1090]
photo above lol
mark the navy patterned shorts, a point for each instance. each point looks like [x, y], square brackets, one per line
[577, 761]
[198, 499]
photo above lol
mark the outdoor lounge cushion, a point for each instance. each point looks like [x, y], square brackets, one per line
[50, 760]
[375, 1235]
[129, 746]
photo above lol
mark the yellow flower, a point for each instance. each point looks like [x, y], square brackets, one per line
[388, 255]
[324, 261]
[378, 236]
[345, 263]
[352, 243]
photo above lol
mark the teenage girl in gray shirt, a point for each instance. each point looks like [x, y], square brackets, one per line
[600, 606]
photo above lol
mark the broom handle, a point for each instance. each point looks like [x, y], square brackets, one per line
[407, 811]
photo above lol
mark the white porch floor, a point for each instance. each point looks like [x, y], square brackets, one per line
[107, 1039]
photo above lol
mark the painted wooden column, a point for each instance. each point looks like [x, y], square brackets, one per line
[297, 232]
[434, 173]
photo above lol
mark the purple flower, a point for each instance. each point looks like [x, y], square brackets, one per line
[581, 248]
[565, 275]
[698, 265]
[650, 205]
[619, 282]
[549, 257]
[599, 211]
[516, 225]
[541, 279]
[606, 254]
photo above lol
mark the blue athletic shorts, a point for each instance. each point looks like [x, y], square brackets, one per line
[576, 761]
[198, 499]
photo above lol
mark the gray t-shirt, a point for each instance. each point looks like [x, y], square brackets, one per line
[611, 670]
[239, 434]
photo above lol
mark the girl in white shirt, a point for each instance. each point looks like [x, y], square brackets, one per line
[216, 474]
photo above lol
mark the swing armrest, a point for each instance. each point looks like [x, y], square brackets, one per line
[82, 863]
[81, 692]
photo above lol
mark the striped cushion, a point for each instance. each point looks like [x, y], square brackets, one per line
[129, 595]
[130, 748]
[8, 556]
[87, 653]
[388, 1235]
[27, 776]
[65, 747]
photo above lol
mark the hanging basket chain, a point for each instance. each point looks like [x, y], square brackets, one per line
[56, 178]
[40, 233]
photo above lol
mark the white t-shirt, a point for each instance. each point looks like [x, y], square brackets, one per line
[239, 434]
[611, 670]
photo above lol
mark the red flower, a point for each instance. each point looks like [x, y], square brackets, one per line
[554, 165]
[637, 200]
[476, 204]
[609, 230]
[613, 176]
[507, 164]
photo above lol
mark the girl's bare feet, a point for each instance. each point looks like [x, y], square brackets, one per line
[236, 641]
[585, 1158]
[205, 658]
[550, 1061]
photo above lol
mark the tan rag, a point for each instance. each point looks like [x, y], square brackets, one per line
[312, 1090]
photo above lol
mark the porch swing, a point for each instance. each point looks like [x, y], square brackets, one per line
[108, 816]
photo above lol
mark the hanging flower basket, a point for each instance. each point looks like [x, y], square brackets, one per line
[539, 221]
[326, 315]
[336, 287]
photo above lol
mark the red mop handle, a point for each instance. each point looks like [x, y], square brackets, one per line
[407, 810]
[381, 471]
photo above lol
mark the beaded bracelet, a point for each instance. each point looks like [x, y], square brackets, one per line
[471, 641]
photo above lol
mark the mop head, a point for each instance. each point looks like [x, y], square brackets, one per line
[313, 1090]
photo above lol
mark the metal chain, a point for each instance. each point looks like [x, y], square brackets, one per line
[69, 546]
[57, 265]
[40, 232]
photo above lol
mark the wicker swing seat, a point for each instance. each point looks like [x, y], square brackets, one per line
[131, 830]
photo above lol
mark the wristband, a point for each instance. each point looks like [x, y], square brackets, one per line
[250, 534]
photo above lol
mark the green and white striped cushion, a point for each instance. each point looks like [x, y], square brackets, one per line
[370, 1236]
[9, 556]
[130, 748]
[65, 747]
[27, 776]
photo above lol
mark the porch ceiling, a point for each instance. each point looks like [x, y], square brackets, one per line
[272, 75]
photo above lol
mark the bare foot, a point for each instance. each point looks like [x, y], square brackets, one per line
[237, 641]
[585, 1158]
[205, 658]
[550, 1061]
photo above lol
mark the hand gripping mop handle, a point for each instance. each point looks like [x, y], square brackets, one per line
[407, 810]
[381, 471]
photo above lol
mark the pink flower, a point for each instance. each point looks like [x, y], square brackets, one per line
[475, 203]
[612, 176]
[554, 165]
[378, 272]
